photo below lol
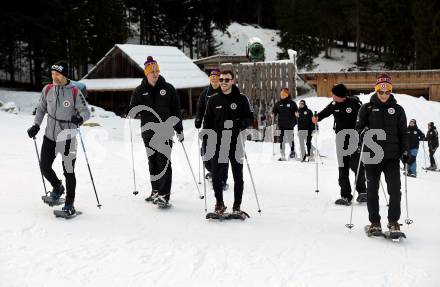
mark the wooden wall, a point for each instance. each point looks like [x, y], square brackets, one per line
[417, 83]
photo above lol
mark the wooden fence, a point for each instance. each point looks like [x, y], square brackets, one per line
[262, 82]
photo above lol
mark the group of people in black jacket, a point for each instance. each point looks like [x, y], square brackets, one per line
[384, 141]
[289, 115]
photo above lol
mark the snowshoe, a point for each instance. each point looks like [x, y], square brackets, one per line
[67, 212]
[283, 158]
[374, 229]
[343, 201]
[292, 155]
[412, 175]
[152, 196]
[394, 232]
[431, 168]
[161, 201]
[362, 197]
[51, 202]
[305, 159]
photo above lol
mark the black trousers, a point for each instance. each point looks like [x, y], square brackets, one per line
[159, 167]
[391, 170]
[351, 162]
[431, 156]
[220, 169]
[208, 163]
[48, 155]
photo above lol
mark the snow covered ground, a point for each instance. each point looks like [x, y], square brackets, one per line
[300, 238]
[234, 40]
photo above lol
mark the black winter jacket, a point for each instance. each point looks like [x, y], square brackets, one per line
[432, 137]
[234, 107]
[162, 98]
[285, 110]
[391, 118]
[414, 137]
[305, 119]
[345, 113]
[201, 104]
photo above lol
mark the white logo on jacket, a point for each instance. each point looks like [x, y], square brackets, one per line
[66, 104]
[163, 92]
[233, 106]
[288, 105]
[391, 111]
[348, 110]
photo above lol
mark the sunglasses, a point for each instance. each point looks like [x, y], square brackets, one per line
[384, 93]
[226, 80]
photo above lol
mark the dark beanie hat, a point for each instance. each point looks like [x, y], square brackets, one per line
[340, 90]
[61, 67]
[302, 102]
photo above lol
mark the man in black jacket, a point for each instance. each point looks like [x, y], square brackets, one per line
[159, 107]
[344, 110]
[414, 137]
[286, 110]
[432, 138]
[383, 113]
[227, 114]
[305, 129]
[213, 88]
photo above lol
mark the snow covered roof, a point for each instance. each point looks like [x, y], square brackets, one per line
[175, 67]
[115, 84]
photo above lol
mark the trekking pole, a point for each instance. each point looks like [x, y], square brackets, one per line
[316, 154]
[88, 166]
[273, 135]
[424, 155]
[351, 225]
[204, 187]
[408, 221]
[135, 192]
[250, 175]
[39, 164]
[192, 172]
[198, 144]
[383, 190]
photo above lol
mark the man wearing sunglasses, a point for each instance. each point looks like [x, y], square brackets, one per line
[227, 114]
[383, 113]
[344, 110]
[213, 88]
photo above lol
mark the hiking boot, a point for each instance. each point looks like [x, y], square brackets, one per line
[375, 229]
[69, 209]
[161, 200]
[394, 226]
[152, 196]
[343, 201]
[292, 154]
[282, 158]
[57, 192]
[220, 208]
[362, 197]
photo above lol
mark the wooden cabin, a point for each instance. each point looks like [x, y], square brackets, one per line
[112, 80]
[419, 83]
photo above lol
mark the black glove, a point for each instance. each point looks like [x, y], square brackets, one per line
[180, 137]
[77, 120]
[33, 131]
[404, 157]
[198, 123]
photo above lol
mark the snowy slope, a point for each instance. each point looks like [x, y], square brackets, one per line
[234, 40]
[300, 239]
